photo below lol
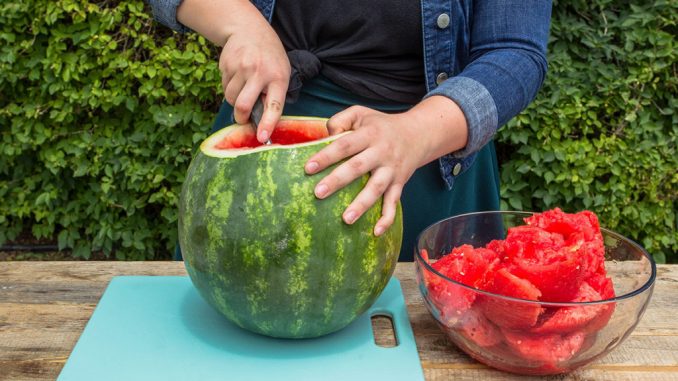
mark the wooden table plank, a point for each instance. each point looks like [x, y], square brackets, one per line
[44, 307]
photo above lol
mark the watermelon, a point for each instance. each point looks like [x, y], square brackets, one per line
[477, 329]
[569, 319]
[263, 250]
[509, 313]
[550, 349]
[465, 265]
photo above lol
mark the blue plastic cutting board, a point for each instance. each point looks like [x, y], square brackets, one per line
[159, 328]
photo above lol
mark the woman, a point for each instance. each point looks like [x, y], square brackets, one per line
[434, 80]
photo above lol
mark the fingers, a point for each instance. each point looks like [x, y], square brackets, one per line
[242, 95]
[273, 108]
[381, 183]
[389, 208]
[245, 100]
[232, 88]
[343, 175]
[340, 149]
[378, 183]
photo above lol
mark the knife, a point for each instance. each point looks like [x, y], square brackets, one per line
[256, 114]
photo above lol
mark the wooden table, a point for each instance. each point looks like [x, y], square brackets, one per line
[44, 307]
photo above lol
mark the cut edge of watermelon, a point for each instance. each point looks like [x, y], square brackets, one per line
[239, 139]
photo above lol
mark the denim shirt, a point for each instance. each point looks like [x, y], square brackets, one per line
[488, 56]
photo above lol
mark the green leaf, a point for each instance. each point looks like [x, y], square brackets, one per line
[515, 203]
[63, 239]
[659, 257]
[549, 176]
[82, 251]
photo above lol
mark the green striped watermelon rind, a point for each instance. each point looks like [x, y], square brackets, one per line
[270, 256]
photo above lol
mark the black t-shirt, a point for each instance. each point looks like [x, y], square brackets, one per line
[372, 48]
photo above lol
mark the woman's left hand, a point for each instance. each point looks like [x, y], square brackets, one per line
[390, 148]
[384, 145]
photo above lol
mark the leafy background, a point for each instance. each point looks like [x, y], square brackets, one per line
[101, 108]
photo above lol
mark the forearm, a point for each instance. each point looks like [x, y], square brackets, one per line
[442, 127]
[217, 20]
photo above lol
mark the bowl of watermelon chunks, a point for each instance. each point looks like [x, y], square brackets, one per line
[533, 293]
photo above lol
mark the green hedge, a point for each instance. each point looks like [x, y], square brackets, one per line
[100, 108]
[602, 133]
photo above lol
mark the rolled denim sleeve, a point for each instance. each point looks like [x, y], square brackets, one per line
[165, 12]
[507, 66]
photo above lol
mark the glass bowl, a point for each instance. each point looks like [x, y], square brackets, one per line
[492, 328]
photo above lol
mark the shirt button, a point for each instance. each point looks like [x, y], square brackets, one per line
[442, 77]
[456, 169]
[443, 21]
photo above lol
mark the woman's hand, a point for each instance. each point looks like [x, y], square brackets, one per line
[388, 146]
[384, 145]
[253, 61]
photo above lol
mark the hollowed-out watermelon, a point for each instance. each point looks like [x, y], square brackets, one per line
[263, 250]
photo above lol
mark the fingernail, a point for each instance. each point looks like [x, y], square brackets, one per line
[311, 167]
[378, 230]
[349, 217]
[321, 190]
[263, 135]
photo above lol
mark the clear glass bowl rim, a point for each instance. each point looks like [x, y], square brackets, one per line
[628, 295]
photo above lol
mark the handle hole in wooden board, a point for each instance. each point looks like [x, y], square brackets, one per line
[384, 331]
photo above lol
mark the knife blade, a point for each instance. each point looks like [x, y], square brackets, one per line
[256, 114]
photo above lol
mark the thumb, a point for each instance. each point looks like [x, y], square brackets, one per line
[346, 119]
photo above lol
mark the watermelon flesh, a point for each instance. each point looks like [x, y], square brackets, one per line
[555, 257]
[263, 251]
[287, 132]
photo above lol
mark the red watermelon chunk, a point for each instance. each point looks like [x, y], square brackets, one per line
[532, 243]
[511, 313]
[498, 246]
[569, 319]
[557, 221]
[558, 281]
[589, 253]
[507, 284]
[465, 265]
[550, 349]
[477, 329]
[602, 284]
[450, 300]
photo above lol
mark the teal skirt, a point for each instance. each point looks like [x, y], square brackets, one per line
[425, 198]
